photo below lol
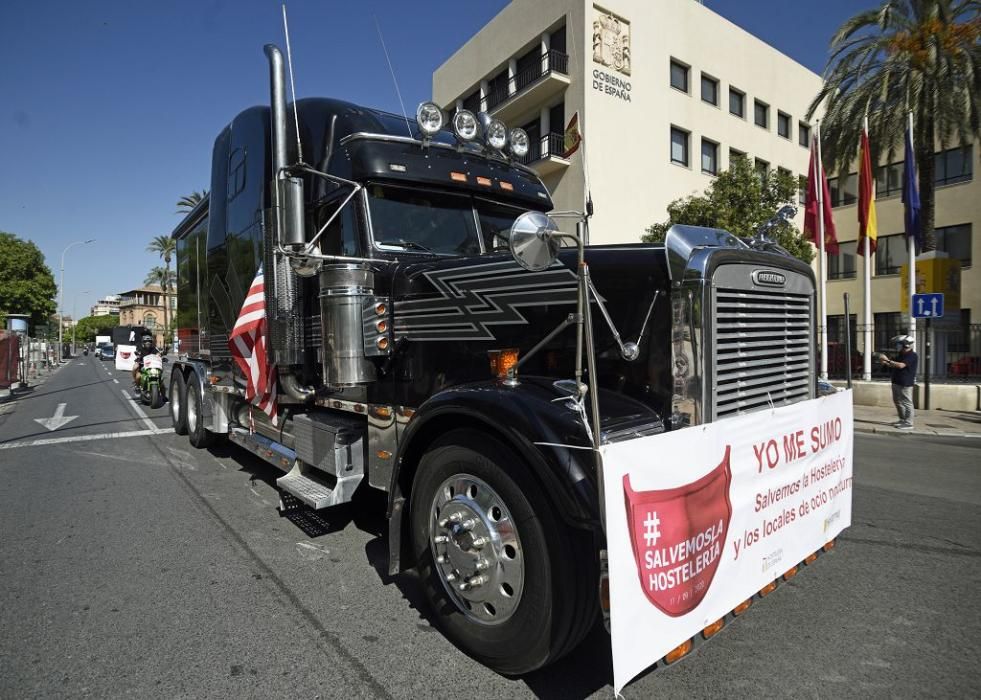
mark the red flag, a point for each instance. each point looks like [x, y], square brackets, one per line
[247, 343]
[811, 224]
[867, 224]
[572, 137]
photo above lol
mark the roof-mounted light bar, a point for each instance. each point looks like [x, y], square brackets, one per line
[429, 117]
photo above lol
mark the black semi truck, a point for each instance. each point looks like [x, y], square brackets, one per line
[429, 337]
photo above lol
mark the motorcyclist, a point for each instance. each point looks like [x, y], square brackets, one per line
[146, 347]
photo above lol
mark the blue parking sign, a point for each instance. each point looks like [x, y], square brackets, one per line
[928, 305]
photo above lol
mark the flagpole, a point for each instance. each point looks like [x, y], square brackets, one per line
[867, 320]
[911, 242]
[822, 267]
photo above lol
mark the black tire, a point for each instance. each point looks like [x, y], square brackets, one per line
[156, 396]
[178, 402]
[196, 432]
[557, 603]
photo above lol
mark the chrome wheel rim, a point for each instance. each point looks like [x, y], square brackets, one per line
[192, 414]
[476, 549]
[175, 402]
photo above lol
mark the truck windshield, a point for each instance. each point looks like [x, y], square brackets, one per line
[434, 222]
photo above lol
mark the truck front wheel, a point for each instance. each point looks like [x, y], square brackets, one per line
[507, 582]
[178, 402]
[196, 432]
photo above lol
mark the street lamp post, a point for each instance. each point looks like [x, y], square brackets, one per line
[75, 318]
[61, 302]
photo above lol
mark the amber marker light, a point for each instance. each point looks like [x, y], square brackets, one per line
[458, 177]
[678, 652]
[382, 343]
[713, 629]
[811, 558]
[768, 588]
[506, 186]
[383, 454]
[742, 607]
[790, 573]
[502, 361]
[604, 593]
[381, 411]
[381, 326]
[380, 308]
[828, 546]
[485, 181]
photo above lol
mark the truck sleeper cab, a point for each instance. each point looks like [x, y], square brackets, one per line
[414, 353]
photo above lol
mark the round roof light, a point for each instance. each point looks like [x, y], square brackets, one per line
[496, 134]
[465, 125]
[519, 142]
[429, 117]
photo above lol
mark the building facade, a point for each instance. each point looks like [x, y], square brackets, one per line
[144, 306]
[667, 92]
[107, 306]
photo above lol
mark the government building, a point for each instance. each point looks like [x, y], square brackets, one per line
[667, 93]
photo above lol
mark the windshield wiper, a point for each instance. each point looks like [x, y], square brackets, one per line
[409, 245]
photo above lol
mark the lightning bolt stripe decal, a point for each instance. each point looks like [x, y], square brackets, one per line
[472, 298]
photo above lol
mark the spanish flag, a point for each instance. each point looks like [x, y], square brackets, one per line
[572, 137]
[866, 199]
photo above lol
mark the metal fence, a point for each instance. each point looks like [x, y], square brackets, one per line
[23, 358]
[955, 352]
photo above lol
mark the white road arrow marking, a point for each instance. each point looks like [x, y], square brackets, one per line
[58, 420]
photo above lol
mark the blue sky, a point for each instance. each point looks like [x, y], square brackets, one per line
[109, 108]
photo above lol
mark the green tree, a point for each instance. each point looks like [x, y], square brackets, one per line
[165, 246]
[26, 284]
[739, 200]
[186, 203]
[922, 56]
[91, 326]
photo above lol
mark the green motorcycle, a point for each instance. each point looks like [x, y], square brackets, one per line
[151, 384]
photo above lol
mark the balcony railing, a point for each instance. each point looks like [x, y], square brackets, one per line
[552, 62]
[548, 146]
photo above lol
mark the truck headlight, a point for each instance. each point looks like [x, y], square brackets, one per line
[465, 125]
[496, 134]
[429, 117]
[519, 142]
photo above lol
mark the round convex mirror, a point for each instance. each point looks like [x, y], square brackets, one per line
[532, 241]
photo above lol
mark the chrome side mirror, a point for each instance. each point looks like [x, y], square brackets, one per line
[532, 242]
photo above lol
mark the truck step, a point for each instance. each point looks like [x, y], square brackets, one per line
[315, 494]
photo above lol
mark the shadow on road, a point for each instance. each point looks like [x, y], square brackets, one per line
[30, 393]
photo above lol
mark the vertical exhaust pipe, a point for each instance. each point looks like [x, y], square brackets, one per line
[285, 229]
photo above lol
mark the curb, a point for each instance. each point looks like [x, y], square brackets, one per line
[914, 433]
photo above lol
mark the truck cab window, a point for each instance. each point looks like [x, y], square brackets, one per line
[341, 237]
[422, 220]
[495, 223]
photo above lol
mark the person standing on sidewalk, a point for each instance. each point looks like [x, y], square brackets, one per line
[903, 379]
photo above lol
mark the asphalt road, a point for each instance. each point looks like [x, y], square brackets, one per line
[134, 565]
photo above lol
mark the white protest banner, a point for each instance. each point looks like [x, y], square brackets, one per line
[698, 520]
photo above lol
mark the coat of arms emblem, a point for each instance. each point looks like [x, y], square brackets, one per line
[611, 42]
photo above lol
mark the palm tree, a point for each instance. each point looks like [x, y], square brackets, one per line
[189, 201]
[165, 278]
[165, 246]
[922, 56]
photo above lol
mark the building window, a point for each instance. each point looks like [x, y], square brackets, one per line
[801, 189]
[887, 326]
[956, 242]
[735, 154]
[761, 114]
[762, 168]
[803, 134]
[679, 76]
[737, 103]
[843, 194]
[710, 157]
[888, 179]
[497, 89]
[783, 125]
[150, 321]
[890, 254]
[679, 146]
[841, 266]
[952, 166]
[710, 90]
[471, 102]
[783, 172]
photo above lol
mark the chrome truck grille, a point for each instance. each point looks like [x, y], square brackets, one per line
[763, 342]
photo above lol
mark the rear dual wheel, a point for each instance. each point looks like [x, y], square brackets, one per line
[178, 402]
[508, 582]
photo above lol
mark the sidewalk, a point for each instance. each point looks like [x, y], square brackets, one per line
[879, 419]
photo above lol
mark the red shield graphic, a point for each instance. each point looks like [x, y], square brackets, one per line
[678, 537]
[123, 354]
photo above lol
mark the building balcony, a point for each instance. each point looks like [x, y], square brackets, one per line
[530, 88]
[545, 154]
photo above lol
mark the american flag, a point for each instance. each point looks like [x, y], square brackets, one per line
[248, 346]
